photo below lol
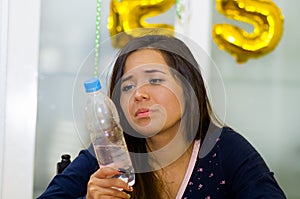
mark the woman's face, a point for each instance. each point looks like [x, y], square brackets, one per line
[151, 98]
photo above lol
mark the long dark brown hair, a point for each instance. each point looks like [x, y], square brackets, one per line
[178, 56]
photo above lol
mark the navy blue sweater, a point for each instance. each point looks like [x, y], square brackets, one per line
[231, 169]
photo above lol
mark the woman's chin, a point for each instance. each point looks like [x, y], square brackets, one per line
[147, 130]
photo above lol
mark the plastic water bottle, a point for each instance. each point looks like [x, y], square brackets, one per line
[102, 121]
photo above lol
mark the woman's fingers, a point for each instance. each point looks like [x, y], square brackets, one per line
[110, 182]
[102, 193]
[108, 173]
[102, 185]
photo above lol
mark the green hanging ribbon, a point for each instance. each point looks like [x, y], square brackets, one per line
[179, 8]
[97, 39]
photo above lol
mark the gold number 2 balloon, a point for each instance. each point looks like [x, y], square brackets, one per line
[267, 21]
[126, 15]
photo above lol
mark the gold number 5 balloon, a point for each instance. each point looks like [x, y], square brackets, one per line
[267, 21]
[126, 15]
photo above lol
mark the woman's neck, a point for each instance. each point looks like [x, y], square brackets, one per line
[167, 146]
[172, 175]
[163, 138]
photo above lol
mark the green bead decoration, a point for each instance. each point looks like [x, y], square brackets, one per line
[179, 8]
[97, 38]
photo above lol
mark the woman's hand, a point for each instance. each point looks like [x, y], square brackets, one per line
[101, 185]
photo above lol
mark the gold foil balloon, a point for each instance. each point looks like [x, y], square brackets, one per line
[267, 21]
[126, 15]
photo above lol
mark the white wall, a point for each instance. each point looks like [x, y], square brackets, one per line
[3, 44]
[19, 60]
[196, 22]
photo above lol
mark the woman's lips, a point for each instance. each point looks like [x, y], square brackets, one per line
[143, 112]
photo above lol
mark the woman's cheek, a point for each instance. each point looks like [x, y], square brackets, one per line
[125, 105]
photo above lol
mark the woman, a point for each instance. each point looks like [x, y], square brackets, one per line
[158, 89]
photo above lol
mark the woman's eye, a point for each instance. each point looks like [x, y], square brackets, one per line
[156, 81]
[127, 88]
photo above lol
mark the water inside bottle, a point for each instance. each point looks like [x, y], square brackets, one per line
[117, 157]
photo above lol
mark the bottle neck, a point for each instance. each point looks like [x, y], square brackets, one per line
[94, 92]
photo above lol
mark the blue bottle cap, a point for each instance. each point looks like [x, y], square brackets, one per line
[92, 85]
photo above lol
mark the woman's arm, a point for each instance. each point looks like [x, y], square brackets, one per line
[72, 182]
[247, 175]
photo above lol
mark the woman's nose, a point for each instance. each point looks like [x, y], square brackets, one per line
[141, 94]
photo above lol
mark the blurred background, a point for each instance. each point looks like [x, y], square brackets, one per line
[45, 43]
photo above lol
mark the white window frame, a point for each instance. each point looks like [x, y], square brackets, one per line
[19, 47]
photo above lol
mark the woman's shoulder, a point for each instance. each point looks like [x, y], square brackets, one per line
[231, 140]
[224, 138]
[227, 142]
[243, 167]
[236, 152]
[230, 145]
[85, 161]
